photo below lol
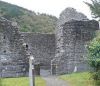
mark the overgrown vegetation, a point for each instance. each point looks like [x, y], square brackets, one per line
[23, 81]
[95, 8]
[94, 59]
[78, 79]
[94, 47]
[29, 21]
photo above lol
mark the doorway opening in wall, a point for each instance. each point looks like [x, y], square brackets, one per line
[42, 69]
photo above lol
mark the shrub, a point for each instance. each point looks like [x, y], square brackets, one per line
[94, 59]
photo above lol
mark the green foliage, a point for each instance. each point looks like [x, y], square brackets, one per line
[29, 21]
[78, 79]
[95, 8]
[94, 58]
[21, 81]
[94, 53]
[10, 11]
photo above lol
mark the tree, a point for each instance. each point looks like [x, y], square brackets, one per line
[94, 59]
[95, 8]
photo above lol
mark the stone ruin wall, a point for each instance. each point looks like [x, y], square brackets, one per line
[42, 47]
[72, 50]
[66, 48]
[15, 47]
[13, 55]
[69, 14]
[73, 32]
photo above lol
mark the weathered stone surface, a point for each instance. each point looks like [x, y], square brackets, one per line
[70, 14]
[65, 49]
[13, 55]
[71, 50]
[74, 30]
[42, 46]
[14, 47]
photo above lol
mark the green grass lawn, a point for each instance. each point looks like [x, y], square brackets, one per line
[78, 79]
[23, 81]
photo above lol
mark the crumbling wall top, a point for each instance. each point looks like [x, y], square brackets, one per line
[70, 14]
[85, 25]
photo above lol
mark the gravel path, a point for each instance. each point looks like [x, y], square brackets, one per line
[54, 81]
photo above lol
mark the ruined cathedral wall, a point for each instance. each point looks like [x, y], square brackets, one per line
[42, 47]
[75, 36]
[13, 56]
[73, 32]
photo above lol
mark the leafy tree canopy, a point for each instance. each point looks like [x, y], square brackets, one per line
[95, 8]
